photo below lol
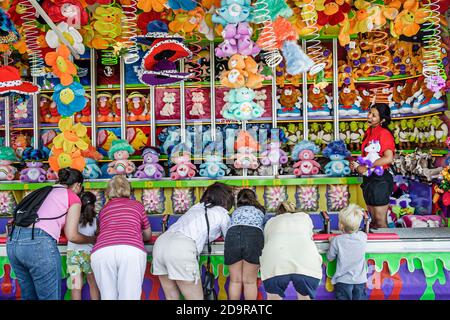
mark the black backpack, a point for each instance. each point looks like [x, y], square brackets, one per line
[25, 214]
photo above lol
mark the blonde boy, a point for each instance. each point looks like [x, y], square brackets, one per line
[349, 248]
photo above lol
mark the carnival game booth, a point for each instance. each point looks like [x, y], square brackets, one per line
[268, 95]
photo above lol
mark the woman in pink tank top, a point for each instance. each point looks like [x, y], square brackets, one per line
[35, 259]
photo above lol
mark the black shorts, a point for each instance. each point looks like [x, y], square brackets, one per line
[305, 285]
[243, 243]
[377, 190]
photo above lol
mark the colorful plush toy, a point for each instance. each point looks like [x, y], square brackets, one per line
[241, 105]
[304, 153]
[136, 138]
[273, 155]
[119, 153]
[372, 149]
[33, 171]
[336, 151]
[150, 168]
[235, 76]
[233, 11]
[92, 170]
[349, 102]
[105, 137]
[319, 103]
[183, 168]
[7, 157]
[213, 167]
[246, 148]
[237, 40]
[289, 102]
[104, 107]
[136, 105]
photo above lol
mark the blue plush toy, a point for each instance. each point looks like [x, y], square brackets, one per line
[213, 167]
[91, 170]
[182, 4]
[241, 105]
[336, 151]
[233, 11]
[297, 61]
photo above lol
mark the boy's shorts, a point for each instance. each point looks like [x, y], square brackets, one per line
[305, 285]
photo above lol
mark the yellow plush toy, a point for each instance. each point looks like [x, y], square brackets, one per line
[254, 80]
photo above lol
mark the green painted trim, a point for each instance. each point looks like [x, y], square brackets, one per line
[144, 184]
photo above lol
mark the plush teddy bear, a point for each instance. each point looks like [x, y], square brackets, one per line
[366, 101]
[349, 102]
[253, 78]
[241, 105]
[245, 45]
[7, 156]
[92, 170]
[336, 151]
[150, 168]
[345, 75]
[233, 11]
[168, 109]
[19, 143]
[213, 167]
[289, 101]
[304, 153]
[115, 104]
[197, 107]
[85, 114]
[319, 103]
[229, 45]
[183, 167]
[246, 148]
[273, 155]
[120, 152]
[235, 76]
[136, 106]
[33, 172]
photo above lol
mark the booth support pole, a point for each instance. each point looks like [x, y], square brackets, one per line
[152, 117]
[274, 112]
[182, 106]
[93, 66]
[7, 114]
[335, 91]
[212, 88]
[305, 98]
[123, 110]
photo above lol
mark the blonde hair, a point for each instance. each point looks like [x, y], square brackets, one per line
[350, 218]
[118, 187]
[286, 206]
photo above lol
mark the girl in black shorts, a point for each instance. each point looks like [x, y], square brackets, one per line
[378, 189]
[243, 246]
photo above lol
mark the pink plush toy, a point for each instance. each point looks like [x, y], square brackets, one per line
[183, 167]
[246, 148]
[52, 175]
[119, 152]
[304, 153]
[273, 155]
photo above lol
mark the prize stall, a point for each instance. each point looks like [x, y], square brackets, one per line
[271, 95]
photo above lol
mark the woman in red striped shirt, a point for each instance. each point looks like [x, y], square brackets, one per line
[119, 257]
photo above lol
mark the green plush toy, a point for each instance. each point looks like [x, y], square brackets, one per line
[276, 8]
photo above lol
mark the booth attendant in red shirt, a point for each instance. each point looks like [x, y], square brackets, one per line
[378, 189]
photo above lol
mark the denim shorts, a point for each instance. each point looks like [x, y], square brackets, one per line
[243, 243]
[36, 263]
[344, 291]
[305, 285]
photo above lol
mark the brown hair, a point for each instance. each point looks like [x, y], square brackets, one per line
[218, 194]
[246, 197]
[286, 206]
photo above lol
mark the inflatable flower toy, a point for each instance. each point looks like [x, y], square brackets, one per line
[15, 12]
[70, 33]
[206, 26]
[70, 11]
[297, 22]
[69, 99]
[186, 22]
[408, 21]
[149, 5]
[8, 32]
[186, 5]
[62, 67]
[331, 12]
[70, 136]
[60, 159]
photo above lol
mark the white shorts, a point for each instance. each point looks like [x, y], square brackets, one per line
[175, 255]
